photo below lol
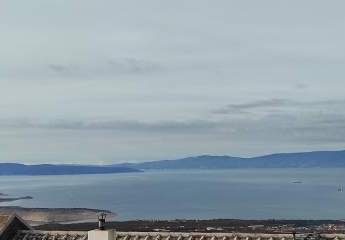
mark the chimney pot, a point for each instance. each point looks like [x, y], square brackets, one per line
[101, 233]
[101, 221]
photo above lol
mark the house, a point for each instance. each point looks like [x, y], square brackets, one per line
[15, 228]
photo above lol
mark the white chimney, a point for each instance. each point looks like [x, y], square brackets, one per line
[101, 233]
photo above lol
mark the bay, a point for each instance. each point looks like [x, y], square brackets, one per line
[190, 194]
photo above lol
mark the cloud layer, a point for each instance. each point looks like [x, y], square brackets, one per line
[150, 80]
[280, 104]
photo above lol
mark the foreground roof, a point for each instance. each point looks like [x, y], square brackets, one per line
[74, 235]
[217, 236]
[3, 221]
[49, 235]
[10, 225]
[15, 228]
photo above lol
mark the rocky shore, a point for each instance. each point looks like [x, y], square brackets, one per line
[54, 215]
[49, 215]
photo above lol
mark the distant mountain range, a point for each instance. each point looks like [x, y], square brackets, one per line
[49, 169]
[320, 159]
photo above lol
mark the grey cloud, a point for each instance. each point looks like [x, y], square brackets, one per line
[163, 126]
[113, 66]
[286, 127]
[63, 68]
[228, 135]
[274, 103]
[304, 128]
[243, 107]
[302, 86]
[133, 66]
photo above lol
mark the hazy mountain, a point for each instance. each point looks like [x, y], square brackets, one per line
[49, 169]
[321, 159]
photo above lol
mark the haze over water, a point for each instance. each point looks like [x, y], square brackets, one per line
[197, 194]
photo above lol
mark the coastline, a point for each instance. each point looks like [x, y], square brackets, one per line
[49, 215]
[38, 216]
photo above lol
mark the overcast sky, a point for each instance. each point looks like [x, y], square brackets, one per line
[106, 81]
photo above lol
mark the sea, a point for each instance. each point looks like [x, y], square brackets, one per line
[190, 194]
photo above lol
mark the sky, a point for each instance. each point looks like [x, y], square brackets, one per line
[112, 81]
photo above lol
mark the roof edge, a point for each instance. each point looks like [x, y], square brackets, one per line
[11, 219]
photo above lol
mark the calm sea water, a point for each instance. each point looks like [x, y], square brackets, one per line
[197, 194]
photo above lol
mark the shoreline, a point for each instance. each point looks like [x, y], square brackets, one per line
[39, 216]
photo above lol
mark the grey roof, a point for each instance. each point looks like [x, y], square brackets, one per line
[215, 236]
[73, 235]
[50, 235]
[3, 221]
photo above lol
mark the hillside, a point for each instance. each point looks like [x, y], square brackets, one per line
[320, 159]
[49, 169]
